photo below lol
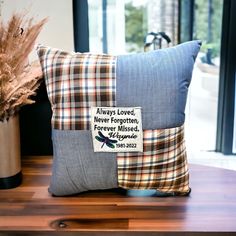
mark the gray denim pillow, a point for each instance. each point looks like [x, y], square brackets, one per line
[157, 81]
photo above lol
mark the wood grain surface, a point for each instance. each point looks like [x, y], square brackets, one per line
[30, 210]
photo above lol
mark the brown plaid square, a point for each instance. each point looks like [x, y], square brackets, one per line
[75, 82]
[161, 166]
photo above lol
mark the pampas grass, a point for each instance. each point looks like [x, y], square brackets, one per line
[18, 79]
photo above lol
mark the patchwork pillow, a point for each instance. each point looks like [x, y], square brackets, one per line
[156, 81]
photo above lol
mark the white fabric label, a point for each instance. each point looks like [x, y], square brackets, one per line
[117, 129]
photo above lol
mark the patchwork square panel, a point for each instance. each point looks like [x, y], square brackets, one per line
[75, 82]
[156, 81]
[162, 165]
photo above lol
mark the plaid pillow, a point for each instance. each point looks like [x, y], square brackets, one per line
[156, 81]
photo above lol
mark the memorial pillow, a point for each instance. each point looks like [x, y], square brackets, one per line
[156, 82]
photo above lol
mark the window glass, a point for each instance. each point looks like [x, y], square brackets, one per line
[203, 95]
[120, 26]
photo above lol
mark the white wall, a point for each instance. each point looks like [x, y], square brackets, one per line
[58, 31]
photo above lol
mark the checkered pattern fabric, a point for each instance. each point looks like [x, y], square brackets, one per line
[162, 165]
[75, 82]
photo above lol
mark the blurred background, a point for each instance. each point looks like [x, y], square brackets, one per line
[120, 27]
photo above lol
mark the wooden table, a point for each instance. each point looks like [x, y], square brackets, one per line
[30, 210]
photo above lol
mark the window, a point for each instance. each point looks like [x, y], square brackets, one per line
[120, 26]
[202, 107]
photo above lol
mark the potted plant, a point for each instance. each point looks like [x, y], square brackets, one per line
[18, 81]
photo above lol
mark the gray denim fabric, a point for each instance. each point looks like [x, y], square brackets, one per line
[158, 82]
[76, 168]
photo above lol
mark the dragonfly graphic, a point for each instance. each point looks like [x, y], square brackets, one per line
[105, 140]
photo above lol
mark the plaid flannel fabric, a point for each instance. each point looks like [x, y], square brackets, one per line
[75, 82]
[162, 165]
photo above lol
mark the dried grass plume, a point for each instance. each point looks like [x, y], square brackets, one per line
[18, 78]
